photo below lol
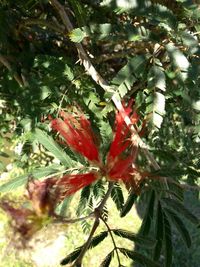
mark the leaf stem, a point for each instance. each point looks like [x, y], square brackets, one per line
[74, 220]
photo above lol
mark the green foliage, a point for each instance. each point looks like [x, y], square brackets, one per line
[53, 147]
[106, 262]
[159, 225]
[179, 226]
[94, 242]
[128, 204]
[129, 74]
[37, 173]
[179, 207]
[138, 257]
[143, 242]
[117, 196]
[147, 51]
[146, 224]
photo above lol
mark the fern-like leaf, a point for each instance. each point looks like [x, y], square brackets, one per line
[98, 239]
[128, 204]
[180, 208]
[167, 242]
[117, 196]
[158, 231]
[143, 242]
[178, 223]
[140, 258]
[146, 224]
[72, 256]
[106, 262]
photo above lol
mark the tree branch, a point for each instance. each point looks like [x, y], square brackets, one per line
[16, 76]
[103, 83]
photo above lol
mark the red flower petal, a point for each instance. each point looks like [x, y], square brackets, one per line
[78, 135]
[122, 131]
[70, 184]
[121, 169]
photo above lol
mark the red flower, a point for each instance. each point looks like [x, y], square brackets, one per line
[69, 184]
[78, 135]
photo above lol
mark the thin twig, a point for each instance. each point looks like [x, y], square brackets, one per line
[113, 240]
[63, 220]
[78, 262]
[97, 214]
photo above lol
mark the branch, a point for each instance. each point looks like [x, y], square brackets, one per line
[103, 83]
[16, 76]
[97, 214]
[61, 219]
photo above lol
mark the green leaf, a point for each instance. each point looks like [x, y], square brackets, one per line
[179, 207]
[72, 256]
[84, 198]
[98, 189]
[179, 226]
[98, 239]
[22, 179]
[155, 108]
[176, 190]
[138, 257]
[129, 74]
[179, 60]
[64, 206]
[190, 41]
[156, 100]
[146, 223]
[48, 142]
[94, 242]
[129, 204]
[117, 196]
[77, 35]
[158, 231]
[167, 242]
[106, 262]
[86, 226]
[156, 78]
[79, 11]
[143, 242]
